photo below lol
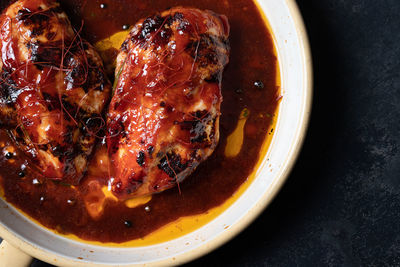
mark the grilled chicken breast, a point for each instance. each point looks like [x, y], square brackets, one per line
[163, 119]
[53, 89]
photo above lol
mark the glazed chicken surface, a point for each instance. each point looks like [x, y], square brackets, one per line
[163, 119]
[53, 89]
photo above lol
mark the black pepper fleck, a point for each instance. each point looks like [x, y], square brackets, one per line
[125, 27]
[103, 6]
[9, 155]
[128, 224]
[259, 84]
[21, 174]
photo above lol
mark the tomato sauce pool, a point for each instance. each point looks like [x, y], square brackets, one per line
[250, 90]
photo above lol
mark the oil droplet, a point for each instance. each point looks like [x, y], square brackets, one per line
[234, 141]
[137, 201]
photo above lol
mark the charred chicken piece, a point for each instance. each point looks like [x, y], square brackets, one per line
[163, 119]
[53, 89]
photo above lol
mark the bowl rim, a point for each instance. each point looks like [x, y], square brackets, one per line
[258, 207]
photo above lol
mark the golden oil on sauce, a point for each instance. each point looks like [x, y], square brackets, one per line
[251, 95]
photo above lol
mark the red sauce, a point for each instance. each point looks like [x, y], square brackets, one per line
[249, 82]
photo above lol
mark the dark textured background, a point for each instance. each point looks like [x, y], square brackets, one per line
[341, 204]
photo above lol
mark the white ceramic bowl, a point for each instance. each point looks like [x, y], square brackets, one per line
[296, 78]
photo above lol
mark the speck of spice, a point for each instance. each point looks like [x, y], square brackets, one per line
[21, 174]
[103, 6]
[125, 27]
[147, 209]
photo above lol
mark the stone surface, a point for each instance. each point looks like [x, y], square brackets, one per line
[341, 204]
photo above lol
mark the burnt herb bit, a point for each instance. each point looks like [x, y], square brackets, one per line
[245, 113]
[271, 131]
[259, 84]
[128, 224]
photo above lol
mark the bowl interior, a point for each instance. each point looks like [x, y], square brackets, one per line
[295, 70]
